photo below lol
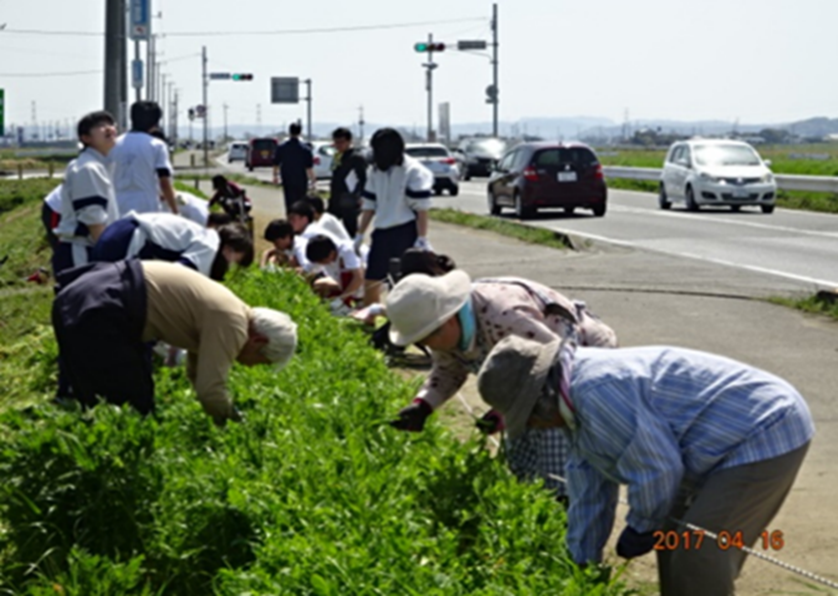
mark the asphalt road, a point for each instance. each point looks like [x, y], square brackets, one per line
[797, 245]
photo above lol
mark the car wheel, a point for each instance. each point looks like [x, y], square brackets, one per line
[569, 210]
[438, 190]
[691, 204]
[494, 208]
[467, 175]
[454, 190]
[767, 208]
[599, 210]
[663, 200]
[521, 211]
[736, 208]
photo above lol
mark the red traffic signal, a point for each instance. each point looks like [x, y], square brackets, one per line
[429, 47]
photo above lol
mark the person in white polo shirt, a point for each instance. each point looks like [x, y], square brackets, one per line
[88, 203]
[397, 196]
[168, 237]
[343, 279]
[142, 169]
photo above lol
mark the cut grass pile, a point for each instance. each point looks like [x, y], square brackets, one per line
[500, 226]
[313, 494]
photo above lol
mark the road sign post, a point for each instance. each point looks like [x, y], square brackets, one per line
[140, 28]
[2, 112]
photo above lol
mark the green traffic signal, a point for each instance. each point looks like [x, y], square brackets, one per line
[242, 77]
[421, 47]
[429, 47]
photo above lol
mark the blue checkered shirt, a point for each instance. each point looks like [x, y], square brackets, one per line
[656, 417]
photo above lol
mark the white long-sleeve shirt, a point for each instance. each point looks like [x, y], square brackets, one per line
[173, 238]
[87, 198]
[397, 194]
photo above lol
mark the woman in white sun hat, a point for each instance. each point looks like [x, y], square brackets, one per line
[461, 321]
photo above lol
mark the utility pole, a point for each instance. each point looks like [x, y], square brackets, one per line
[429, 85]
[169, 105]
[308, 110]
[150, 76]
[225, 121]
[123, 66]
[174, 132]
[495, 83]
[259, 119]
[205, 82]
[361, 125]
[114, 14]
[162, 102]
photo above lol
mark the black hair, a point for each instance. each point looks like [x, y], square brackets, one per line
[342, 133]
[302, 208]
[278, 228]
[237, 237]
[317, 204]
[295, 129]
[158, 134]
[145, 115]
[219, 219]
[423, 261]
[92, 120]
[319, 248]
[387, 148]
[218, 181]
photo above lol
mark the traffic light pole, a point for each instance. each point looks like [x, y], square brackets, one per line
[308, 110]
[205, 81]
[430, 86]
[495, 99]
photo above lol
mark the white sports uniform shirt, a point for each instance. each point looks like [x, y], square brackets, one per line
[87, 198]
[140, 160]
[196, 245]
[347, 260]
[301, 242]
[333, 225]
[397, 194]
[53, 199]
[191, 207]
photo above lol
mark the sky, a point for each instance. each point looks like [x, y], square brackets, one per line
[752, 60]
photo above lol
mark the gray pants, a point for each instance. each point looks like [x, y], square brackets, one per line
[743, 498]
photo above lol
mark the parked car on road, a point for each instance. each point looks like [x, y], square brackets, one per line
[237, 150]
[438, 160]
[323, 153]
[533, 176]
[260, 153]
[481, 155]
[716, 172]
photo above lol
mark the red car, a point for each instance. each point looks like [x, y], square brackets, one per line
[533, 176]
[260, 153]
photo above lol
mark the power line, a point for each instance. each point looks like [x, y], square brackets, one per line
[275, 32]
[49, 74]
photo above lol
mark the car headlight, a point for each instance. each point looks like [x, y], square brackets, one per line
[708, 178]
[768, 178]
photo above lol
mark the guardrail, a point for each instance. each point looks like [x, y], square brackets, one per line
[784, 181]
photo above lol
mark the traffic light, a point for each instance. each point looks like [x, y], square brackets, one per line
[242, 77]
[423, 46]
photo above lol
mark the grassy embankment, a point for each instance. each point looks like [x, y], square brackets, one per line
[782, 162]
[314, 494]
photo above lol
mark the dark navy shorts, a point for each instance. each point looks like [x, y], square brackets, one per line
[387, 244]
[113, 244]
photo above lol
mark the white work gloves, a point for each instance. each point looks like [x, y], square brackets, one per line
[423, 244]
[359, 240]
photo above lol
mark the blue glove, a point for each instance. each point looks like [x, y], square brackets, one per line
[634, 544]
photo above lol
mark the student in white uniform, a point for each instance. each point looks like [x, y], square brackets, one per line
[88, 203]
[301, 218]
[344, 272]
[191, 207]
[168, 237]
[51, 214]
[142, 169]
[328, 221]
[281, 235]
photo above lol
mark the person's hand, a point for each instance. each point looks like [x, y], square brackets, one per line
[634, 544]
[359, 240]
[423, 244]
[368, 314]
[491, 422]
[412, 418]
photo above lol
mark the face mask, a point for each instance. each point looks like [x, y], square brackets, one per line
[468, 325]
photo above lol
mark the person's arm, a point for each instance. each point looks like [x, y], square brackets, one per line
[95, 231]
[354, 285]
[266, 256]
[422, 224]
[164, 168]
[312, 179]
[91, 191]
[590, 517]
[420, 185]
[359, 167]
[366, 219]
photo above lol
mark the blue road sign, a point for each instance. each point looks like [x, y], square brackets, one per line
[140, 28]
[137, 74]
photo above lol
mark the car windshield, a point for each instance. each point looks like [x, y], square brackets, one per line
[488, 145]
[263, 144]
[578, 156]
[725, 155]
[426, 152]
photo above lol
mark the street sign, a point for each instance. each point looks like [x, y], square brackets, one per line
[2, 112]
[285, 90]
[445, 121]
[200, 111]
[140, 26]
[220, 76]
[137, 74]
[471, 44]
